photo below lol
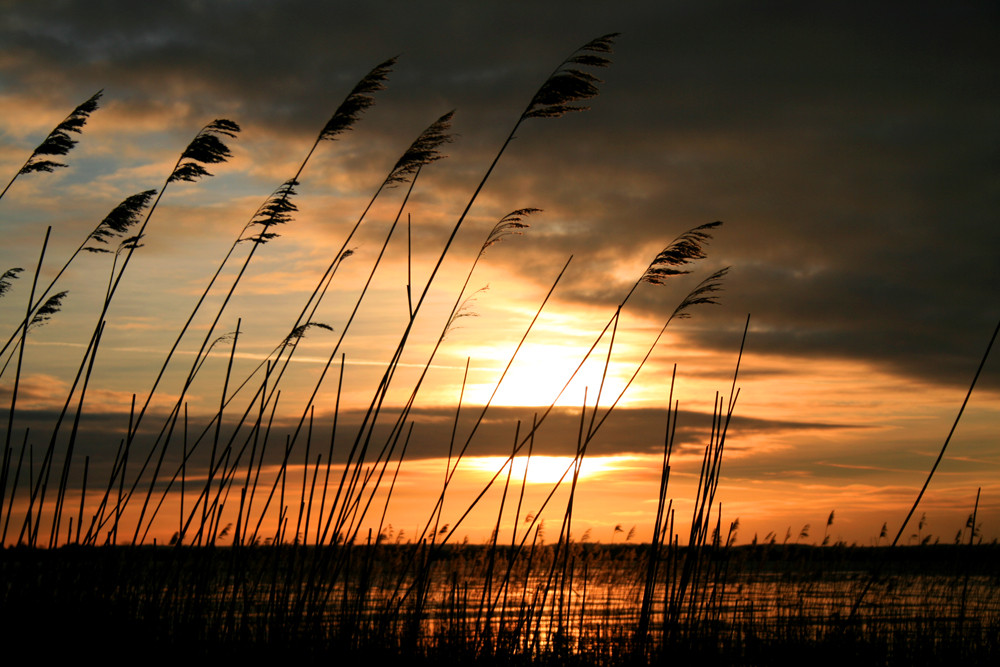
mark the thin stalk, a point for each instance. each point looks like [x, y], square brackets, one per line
[204, 148]
[305, 476]
[408, 165]
[329, 457]
[13, 489]
[877, 571]
[554, 98]
[93, 528]
[20, 353]
[83, 497]
[947, 440]
[496, 388]
[215, 439]
[115, 225]
[64, 479]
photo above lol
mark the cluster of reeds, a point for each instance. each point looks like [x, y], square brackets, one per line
[571, 602]
[310, 568]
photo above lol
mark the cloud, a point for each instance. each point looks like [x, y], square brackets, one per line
[850, 158]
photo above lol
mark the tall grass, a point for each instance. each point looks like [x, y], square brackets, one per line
[311, 569]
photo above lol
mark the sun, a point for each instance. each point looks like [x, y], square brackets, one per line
[541, 373]
[540, 469]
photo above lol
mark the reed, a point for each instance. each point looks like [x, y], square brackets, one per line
[58, 142]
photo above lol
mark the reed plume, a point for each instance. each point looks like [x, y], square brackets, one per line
[299, 332]
[510, 224]
[423, 151]
[207, 147]
[464, 310]
[276, 210]
[58, 142]
[44, 313]
[119, 221]
[357, 101]
[686, 248]
[131, 243]
[557, 96]
[6, 280]
[569, 84]
[704, 293]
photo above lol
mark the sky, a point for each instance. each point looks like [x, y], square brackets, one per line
[850, 151]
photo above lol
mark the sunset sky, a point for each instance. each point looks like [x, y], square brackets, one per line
[850, 150]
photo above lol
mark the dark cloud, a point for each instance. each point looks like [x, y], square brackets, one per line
[852, 150]
[626, 431]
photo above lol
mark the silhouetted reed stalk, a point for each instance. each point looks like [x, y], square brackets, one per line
[484, 624]
[563, 87]
[215, 439]
[320, 534]
[513, 218]
[13, 488]
[117, 465]
[114, 226]
[566, 86]
[565, 531]
[48, 459]
[452, 466]
[451, 443]
[275, 211]
[260, 461]
[975, 378]
[20, 351]
[683, 250]
[205, 148]
[421, 152]
[662, 510]
[64, 478]
[38, 318]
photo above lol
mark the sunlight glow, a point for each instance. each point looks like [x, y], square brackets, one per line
[541, 371]
[542, 469]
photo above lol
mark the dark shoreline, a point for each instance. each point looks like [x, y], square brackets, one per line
[165, 604]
